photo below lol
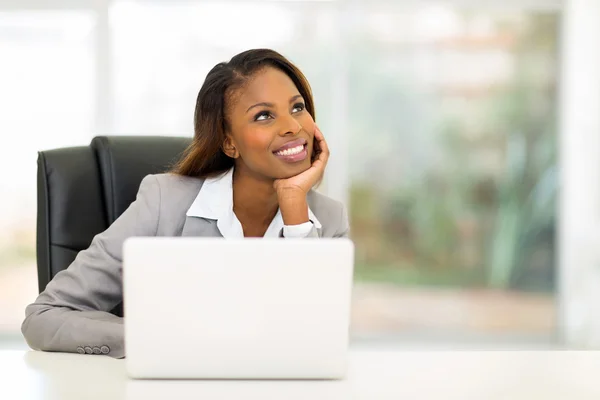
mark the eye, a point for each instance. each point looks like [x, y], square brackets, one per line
[299, 107]
[262, 116]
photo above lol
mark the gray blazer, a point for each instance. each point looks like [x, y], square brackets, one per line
[71, 315]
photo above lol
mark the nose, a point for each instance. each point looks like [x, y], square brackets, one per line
[290, 126]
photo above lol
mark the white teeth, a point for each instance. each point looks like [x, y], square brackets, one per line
[292, 151]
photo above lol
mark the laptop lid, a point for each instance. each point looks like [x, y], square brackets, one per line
[248, 308]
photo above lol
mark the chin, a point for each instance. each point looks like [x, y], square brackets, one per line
[293, 170]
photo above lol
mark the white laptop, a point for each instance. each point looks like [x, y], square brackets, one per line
[204, 308]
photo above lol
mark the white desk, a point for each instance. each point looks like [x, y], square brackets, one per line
[373, 375]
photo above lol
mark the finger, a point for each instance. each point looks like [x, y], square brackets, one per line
[318, 133]
[321, 161]
[323, 145]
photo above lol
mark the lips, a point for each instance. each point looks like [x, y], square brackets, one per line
[292, 152]
[291, 145]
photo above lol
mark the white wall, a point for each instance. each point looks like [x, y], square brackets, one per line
[579, 241]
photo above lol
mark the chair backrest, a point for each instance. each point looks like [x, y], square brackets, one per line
[82, 190]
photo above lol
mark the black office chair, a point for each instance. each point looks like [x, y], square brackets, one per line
[82, 190]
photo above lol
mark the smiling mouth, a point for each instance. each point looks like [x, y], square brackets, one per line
[291, 151]
[293, 154]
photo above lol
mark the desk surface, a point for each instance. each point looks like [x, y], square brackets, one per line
[373, 374]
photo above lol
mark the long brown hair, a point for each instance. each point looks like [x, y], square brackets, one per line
[205, 157]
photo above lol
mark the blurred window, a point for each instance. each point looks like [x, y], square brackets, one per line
[442, 123]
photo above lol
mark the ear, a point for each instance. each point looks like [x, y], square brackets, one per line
[229, 147]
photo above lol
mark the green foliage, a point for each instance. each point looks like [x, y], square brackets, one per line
[454, 207]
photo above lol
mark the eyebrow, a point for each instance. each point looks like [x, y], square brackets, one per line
[271, 105]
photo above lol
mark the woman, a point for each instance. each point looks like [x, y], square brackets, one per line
[249, 171]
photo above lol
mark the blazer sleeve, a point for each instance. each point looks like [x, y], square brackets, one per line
[343, 228]
[340, 227]
[71, 315]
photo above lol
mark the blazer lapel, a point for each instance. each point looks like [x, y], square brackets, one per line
[194, 226]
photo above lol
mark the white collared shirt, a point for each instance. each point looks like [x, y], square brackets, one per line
[215, 201]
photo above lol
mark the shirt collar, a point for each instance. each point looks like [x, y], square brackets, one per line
[215, 198]
[215, 201]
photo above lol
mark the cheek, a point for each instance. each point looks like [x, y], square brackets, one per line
[257, 139]
[308, 124]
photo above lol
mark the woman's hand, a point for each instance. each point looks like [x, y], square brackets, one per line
[291, 192]
[300, 185]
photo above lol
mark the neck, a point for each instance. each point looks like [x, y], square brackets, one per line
[254, 199]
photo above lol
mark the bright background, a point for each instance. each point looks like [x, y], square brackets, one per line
[446, 120]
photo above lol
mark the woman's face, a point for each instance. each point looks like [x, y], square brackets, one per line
[271, 131]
